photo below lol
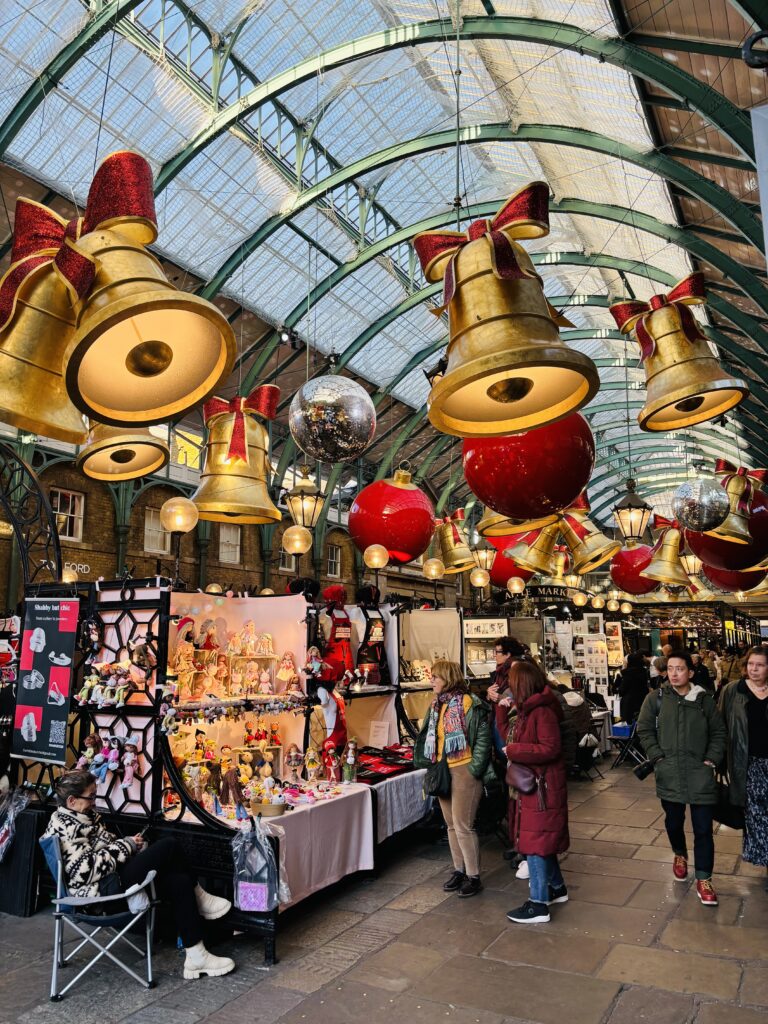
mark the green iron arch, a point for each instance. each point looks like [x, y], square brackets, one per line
[731, 268]
[698, 96]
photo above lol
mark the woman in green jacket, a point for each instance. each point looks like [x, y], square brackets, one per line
[744, 706]
[457, 727]
[683, 734]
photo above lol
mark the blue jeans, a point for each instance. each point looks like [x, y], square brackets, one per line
[543, 871]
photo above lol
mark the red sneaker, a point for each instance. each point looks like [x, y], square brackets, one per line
[707, 894]
[680, 869]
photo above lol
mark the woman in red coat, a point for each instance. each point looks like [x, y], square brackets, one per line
[540, 818]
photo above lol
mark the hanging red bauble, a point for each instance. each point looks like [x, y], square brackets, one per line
[724, 554]
[533, 474]
[504, 567]
[626, 566]
[395, 513]
[730, 580]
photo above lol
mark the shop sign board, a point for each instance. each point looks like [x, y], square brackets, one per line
[484, 629]
[45, 679]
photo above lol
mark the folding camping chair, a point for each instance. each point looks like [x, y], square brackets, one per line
[74, 911]
[629, 748]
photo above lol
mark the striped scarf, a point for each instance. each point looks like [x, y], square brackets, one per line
[454, 728]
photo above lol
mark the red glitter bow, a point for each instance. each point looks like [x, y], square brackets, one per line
[688, 292]
[751, 477]
[453, 518]
[580, 506]
[262, 401]
[523, 215]
[120, 197]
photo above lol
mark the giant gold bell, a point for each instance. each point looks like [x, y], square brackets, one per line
[493, 524]
[114, 453]
[32, 348]
[735, 526]
[143, 352]
[665, 566]
[454, 549]
[588, 546]
[506, 369]
[230, 490]
[538, 556]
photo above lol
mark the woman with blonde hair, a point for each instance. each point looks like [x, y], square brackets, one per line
[457, 729]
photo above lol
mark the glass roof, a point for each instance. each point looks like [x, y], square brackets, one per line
[158, 97]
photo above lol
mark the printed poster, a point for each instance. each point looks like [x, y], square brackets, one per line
[45, 679]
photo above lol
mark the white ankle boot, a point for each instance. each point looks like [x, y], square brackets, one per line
[211, 907]
[199, 961]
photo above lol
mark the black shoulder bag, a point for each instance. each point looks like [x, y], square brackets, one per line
[437, 781]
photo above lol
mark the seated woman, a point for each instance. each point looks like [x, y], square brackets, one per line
[92, 856]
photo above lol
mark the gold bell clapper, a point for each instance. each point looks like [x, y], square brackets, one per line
[588, 546]
[37, 322]
[117, 453]
[665, 565]
[539, 554]
[685, 383]
[452, 537]
[739, 484]
[141, 352]
[233, 483]
[506, 369]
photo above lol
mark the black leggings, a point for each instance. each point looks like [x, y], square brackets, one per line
[175, 883]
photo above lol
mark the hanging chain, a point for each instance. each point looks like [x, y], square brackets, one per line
[457, 76]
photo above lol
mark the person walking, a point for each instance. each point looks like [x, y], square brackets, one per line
[683, 734]
[633, 684]
[701, 676]
[540, 818]
[94, 860]
[744, 707]
[457, 727]
[659, 675]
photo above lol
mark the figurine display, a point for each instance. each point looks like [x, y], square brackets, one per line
[294, 690]
[232, 791]
[294, 759]
[265, 682]
[129, 761]
[312, 763]
[349, 763]
[337, 627]
[208, 637]
[92, 746]
[332, 762]
[372, 652]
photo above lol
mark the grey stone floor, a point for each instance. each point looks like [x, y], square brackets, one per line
[630, 945]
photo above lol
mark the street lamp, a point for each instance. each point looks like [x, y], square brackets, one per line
[178, 516]
[632, 515]
[433, 569]
[305, 500]
[376, 557]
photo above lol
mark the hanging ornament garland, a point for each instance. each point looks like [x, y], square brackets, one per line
[394, 512]
[685, 383]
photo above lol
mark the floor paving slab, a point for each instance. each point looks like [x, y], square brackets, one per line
[683, 972]
[637, 1005]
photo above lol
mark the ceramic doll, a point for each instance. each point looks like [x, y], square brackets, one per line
[247, 638]
[226, 758]
[294, 759]
[129, 761]
[91, 639]
[213, 786]
[194, 775]
[349, 764]
[287, 669]
[332, 762]
[232, 790]
[265, 683]
[208, 640]
[294, 690]
[91, 746]
[199, 743]
[312, 763]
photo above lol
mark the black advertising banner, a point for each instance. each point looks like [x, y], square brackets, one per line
[45, 679]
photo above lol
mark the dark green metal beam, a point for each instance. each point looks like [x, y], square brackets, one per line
[708, 157]
[51, 75]
[712, 105]
[731, 209]
[667, 42]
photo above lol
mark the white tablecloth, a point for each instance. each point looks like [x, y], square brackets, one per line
[400, 802]
[327, 840]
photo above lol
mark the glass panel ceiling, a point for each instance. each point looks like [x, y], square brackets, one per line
[151, 103]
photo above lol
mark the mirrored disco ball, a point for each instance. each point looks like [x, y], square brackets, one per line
[701, 504]
[332, 419]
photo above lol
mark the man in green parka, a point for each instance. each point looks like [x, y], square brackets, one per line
[683, 734]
